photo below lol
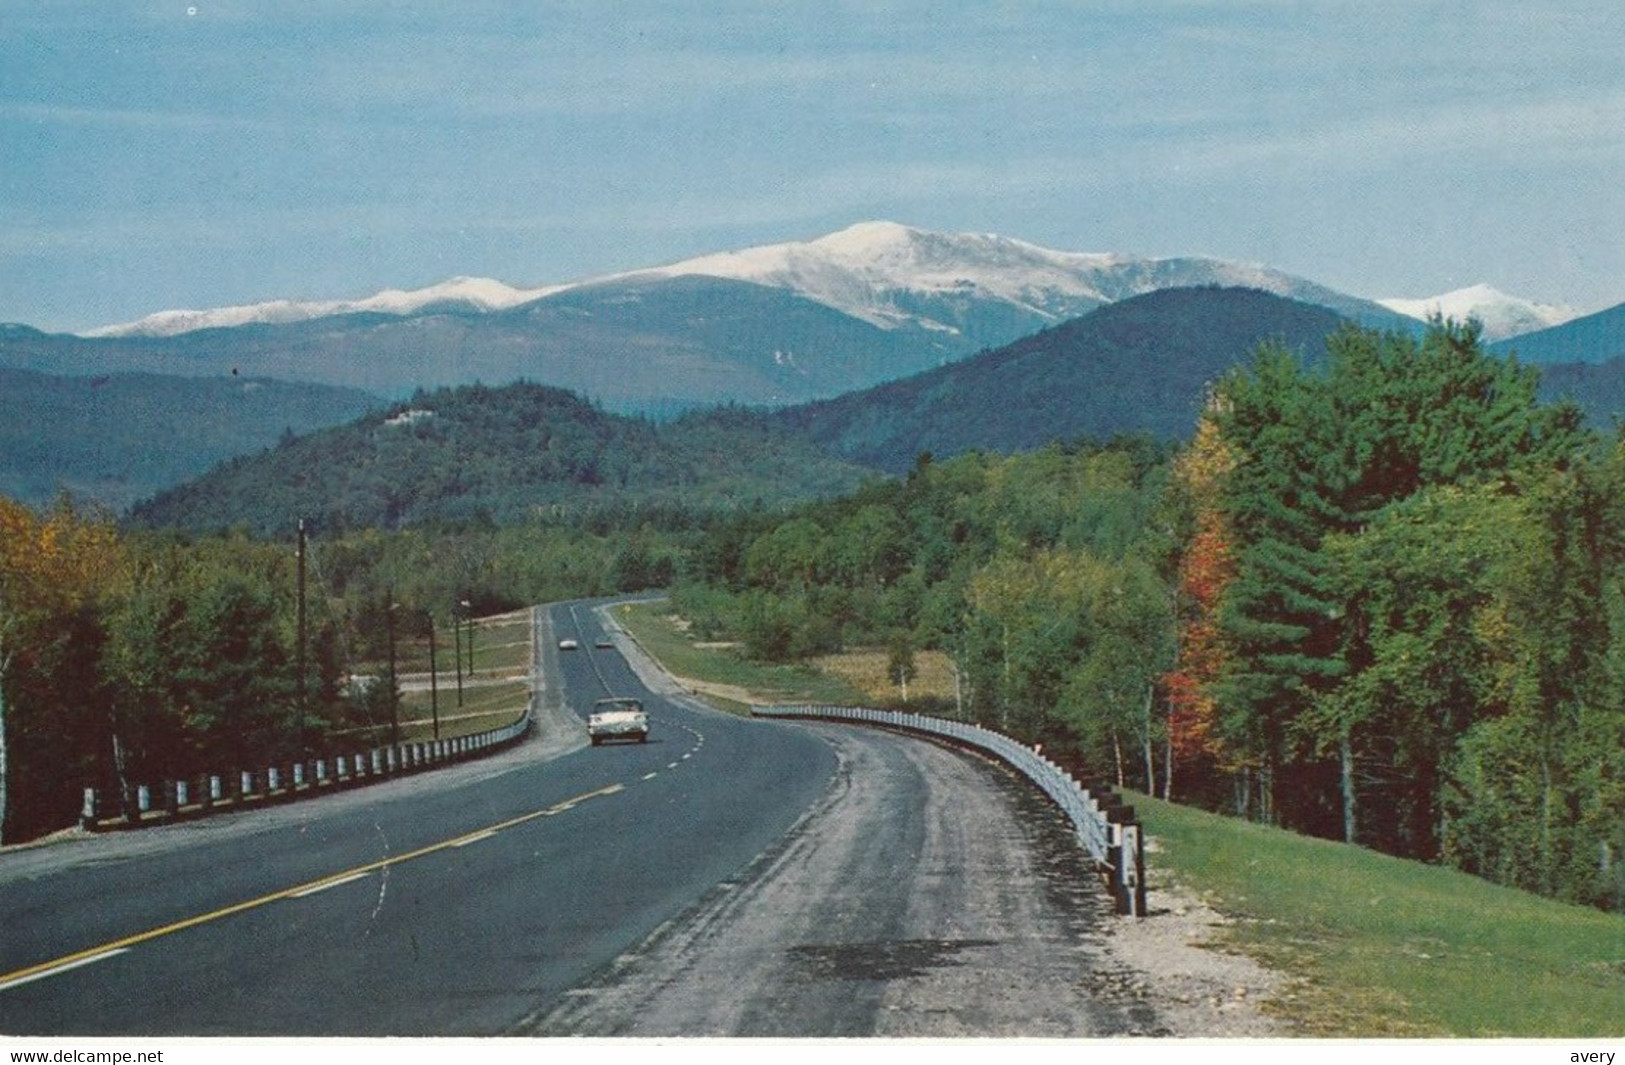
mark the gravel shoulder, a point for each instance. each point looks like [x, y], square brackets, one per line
[932, 895]
[1078, 969]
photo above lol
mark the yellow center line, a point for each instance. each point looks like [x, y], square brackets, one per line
[308, 887]
[326, 884]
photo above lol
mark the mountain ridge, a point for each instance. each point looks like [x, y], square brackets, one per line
[480, 453]
[885, 273]
[1140, 365]
[1591, 339]
[116, 438]
[1143, 365]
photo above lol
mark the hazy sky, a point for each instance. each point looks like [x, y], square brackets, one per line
[157, 155]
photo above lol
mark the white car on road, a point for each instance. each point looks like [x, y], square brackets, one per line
[617, 719]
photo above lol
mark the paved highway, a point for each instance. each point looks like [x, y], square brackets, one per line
[729, 878]
[458, 902]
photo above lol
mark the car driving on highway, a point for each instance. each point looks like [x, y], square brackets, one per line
[617, 719]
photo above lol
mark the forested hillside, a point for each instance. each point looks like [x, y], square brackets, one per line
[1375, 599]
[501, 455]
[1143, 365]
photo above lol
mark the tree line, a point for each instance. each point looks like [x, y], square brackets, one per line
[1378, 599]
[131, 655]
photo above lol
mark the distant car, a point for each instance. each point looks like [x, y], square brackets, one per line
[617, 719]
[604, 643]
[568, 645]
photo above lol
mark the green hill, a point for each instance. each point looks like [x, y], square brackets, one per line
[498, 454]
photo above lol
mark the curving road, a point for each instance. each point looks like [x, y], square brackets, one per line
[730, 877]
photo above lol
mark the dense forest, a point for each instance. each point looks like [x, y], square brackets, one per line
[1377, 599]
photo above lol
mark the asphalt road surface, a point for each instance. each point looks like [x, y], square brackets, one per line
[730, 877]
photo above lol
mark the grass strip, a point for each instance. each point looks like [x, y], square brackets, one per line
[1381, 946]
[719, 674]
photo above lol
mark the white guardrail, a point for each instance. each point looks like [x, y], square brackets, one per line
[207, 793]
[1106, 828]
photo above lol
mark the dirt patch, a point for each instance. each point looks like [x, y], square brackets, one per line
[1173, 959]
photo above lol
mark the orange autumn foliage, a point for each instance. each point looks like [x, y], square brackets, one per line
[1205, 568]
[53, 562]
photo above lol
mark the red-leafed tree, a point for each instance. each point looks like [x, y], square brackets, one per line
[1206, 566]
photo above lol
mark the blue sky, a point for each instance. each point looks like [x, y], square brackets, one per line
[156, 155]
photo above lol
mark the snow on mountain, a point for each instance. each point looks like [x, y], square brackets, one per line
[883, 273]
[1503, 316]
[863, 269]
[890, 274]
[472, 293]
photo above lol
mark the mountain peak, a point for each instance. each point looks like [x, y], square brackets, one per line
[866, 238]
[1502, 315]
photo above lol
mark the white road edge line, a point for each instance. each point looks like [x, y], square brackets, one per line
[59, 969]
[651, 776]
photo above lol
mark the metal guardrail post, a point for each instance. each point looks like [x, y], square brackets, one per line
[1133, 862]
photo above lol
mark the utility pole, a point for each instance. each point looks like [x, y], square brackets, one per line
[468, 615]
[394, 688]
[457, 637]
[300, 655]
[434, 679]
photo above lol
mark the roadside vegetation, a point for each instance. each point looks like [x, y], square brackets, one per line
[722, 676]
[478, 679]
[129, 656]
[1381, 946]
[1380, 599]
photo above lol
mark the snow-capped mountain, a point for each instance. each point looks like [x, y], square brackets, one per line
[888, 275]
[466, 293]
[892, 275]
[1502, 315]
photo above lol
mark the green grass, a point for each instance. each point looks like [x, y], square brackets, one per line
[722, 677]
[494, 694]
[501, 644]
[484, 707]
[1380, 946]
